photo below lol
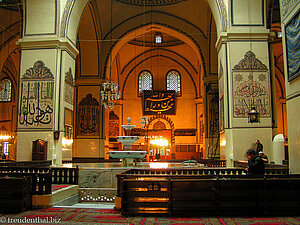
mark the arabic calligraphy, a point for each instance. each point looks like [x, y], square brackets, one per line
[36, 104]
[88, 116]
[159, 102]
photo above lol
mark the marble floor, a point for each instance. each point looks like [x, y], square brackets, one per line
[90, 205]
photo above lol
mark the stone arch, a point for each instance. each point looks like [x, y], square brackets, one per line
[168, 120]
[74, 9]
[186, 38]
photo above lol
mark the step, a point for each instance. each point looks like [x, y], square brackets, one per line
[49, 200]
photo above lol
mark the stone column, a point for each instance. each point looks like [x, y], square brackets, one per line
[46, 81]
[290, 17]
[244, 81]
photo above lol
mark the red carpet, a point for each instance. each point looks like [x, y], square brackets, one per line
[56, 187]
[113, 217]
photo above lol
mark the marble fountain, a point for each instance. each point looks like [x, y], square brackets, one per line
[127, 155]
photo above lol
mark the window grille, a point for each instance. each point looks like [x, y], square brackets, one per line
[173, 81]
[5, 90]
[145, 81]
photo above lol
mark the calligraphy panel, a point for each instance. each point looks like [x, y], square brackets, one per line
[251, 87]
[88, 116]
[69, 88]
[159, 102]
[36, 98]
[292, 33]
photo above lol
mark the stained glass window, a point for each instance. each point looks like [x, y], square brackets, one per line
[173, 81]
[145, 81]
[5, 90]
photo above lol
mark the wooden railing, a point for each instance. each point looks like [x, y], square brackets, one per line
[204, 162]
[196, 171]
[267, 165]
[41, 182]
[43, 178]
[64, 175]
[188, 173]
[212, 162]
[27, 164]
[208, 195]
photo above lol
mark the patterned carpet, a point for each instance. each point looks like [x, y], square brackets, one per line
[113, 217]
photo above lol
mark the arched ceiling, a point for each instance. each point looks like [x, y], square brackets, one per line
[117, 24]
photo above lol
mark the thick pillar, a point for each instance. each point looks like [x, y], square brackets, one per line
[244, 81]
[46, 92]
[290, 17]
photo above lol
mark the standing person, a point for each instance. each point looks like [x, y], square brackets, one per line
[263, 156]
[259, 147]
[256, 165]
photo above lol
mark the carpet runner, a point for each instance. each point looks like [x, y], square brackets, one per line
[113, 217]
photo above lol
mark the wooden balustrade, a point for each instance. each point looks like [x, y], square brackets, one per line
[27, 164]
[64, 175]
[141, 173]
[43, 178]
[41, 182]
[207, 195]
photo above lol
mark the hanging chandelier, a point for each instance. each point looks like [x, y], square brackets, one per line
[109, 93]
[110, 90]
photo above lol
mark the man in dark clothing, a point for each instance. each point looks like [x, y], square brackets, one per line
[263, 156]
[255, 164]
[259, 147]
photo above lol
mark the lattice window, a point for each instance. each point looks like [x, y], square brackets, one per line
[173, 81]
[145, 81]
[158, 38]
[5, 90]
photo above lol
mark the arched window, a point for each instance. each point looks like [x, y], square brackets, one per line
[5, 90]
[158, 38]
[173, 81]
[145, 81]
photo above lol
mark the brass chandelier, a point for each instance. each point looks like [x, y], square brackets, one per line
[110, 92]
[110, 89]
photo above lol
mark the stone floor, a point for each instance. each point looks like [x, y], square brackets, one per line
[90, 205]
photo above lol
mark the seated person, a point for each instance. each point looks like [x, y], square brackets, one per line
[263, 156]
[2, 156]
[256, 165]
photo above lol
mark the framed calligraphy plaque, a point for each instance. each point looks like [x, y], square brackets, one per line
[251, 87]
[36, 98]
[159, 102]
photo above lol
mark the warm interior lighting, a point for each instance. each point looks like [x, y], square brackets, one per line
[223, 143]
[67, 142]
[4, 137]
[4, 134]
[160, 142]
[109, 93]
[156, 165]
[253, 116]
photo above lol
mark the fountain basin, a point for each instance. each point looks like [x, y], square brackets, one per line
[127, 154]
[127, 141]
